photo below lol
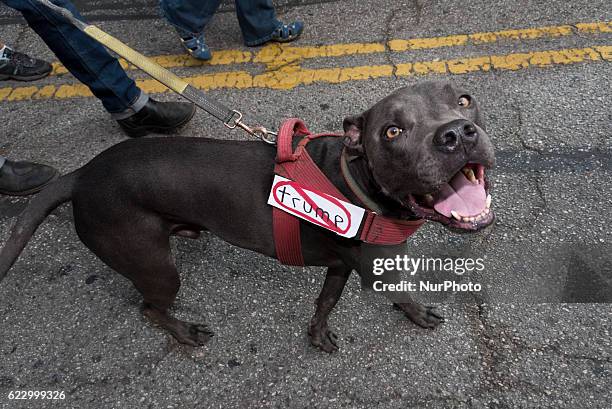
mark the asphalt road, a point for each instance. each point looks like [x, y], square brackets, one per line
[538, 335]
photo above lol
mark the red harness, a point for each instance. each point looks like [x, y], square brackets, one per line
[299, 167]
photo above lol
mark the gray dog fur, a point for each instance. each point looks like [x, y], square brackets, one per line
[130, 199]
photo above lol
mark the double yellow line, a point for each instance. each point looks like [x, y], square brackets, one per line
[283, 70]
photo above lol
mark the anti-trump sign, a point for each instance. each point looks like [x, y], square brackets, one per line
[316, 207]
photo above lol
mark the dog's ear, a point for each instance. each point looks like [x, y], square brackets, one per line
[353, 127]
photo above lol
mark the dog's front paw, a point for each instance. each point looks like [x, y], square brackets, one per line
[419, 314]
[323, 338]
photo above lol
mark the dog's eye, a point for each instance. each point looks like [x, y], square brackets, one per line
[393, 131]
[464, 101]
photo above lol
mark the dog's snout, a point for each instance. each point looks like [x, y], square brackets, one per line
[447, 140]
[469, 132]
[454, 134]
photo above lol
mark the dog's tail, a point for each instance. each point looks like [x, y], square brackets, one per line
[37, 210]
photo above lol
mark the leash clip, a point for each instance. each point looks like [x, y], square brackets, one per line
[235, 121]
[236, 118]
[262, 133]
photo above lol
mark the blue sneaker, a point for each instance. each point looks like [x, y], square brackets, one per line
[282, 34]
[288, 32]
[195, 45]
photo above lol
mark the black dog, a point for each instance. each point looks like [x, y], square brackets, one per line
[420, 152]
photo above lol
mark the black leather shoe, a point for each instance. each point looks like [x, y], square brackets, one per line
[25, 178]
[18, 66]
[156, 116]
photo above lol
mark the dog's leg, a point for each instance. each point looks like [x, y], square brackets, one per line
[159, 288]
[144, 257]
[419, 314]
[320, 335]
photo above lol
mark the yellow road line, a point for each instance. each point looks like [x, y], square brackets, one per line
[276, 55]
[293, 75]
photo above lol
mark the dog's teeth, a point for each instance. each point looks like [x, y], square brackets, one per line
[455, 215]
[469, 173]
[487, 210]
[488, 202]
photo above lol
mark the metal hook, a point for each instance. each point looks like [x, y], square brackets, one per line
[260, 132]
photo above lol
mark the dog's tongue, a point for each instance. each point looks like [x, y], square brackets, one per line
[464, 197]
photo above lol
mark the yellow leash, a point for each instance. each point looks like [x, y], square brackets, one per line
[230, 117]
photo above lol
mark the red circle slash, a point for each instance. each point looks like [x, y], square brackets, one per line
[328, 224]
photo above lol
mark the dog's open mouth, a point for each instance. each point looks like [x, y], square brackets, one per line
[463, 203]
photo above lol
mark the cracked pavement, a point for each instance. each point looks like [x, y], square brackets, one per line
[537, 336]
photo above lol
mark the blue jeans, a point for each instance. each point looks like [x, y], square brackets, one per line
[84, 57]
[257, 18]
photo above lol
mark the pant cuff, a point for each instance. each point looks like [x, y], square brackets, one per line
[136, 106]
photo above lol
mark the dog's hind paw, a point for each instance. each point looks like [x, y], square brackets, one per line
[323, 338]
[419, 314]
[184, 332]
[193, 334]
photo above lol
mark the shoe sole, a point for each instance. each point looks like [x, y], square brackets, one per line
[287, 40]
[140, 132]
[33, 190]
[6, 77]
[276, 40]
[192, 54]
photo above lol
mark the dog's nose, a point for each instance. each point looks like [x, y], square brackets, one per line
[452, 135]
